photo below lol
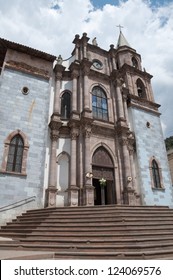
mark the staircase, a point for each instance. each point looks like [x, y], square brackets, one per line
[98, 232]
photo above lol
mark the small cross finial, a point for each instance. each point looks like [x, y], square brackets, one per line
[120, 26]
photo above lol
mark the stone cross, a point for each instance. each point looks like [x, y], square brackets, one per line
[119, 26]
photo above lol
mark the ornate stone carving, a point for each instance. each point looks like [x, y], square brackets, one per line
[54, 135]
[101, 157]
[74, 133]
[131, 142]
[55, 122]
[87, 130]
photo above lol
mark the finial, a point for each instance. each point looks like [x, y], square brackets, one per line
[59, 59]
[120, 26]
[94, 42]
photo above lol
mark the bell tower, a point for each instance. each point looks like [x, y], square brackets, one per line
[143, 120]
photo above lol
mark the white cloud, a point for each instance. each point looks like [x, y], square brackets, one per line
[148, 29]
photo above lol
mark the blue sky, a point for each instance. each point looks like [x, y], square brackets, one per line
[101, 3]
[148, 27]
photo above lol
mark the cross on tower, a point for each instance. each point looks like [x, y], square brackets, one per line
[120, 26]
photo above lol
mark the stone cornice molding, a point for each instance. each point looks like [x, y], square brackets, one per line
[142, 103]
[55, 122]
[74, 69]
[28, 69]
[132, 70]
[58, 70]
[100, 75]
[106, 129]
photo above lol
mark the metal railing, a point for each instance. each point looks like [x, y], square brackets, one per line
[17, 203]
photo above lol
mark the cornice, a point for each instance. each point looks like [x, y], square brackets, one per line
[132, 70]
[28, 69]
[105, 129]
[144, 104]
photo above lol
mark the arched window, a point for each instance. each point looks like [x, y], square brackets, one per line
[141, 89]
[134, 62]
[15, 154]
[65, 106]
[155, 174]
[99, 104]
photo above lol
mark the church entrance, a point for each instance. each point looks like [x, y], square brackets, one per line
[103, 195]
[102, 169]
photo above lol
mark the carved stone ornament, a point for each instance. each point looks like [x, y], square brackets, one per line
[54, 135]
[74, 133]
[87, 130]
[120, 82]
[124, 141]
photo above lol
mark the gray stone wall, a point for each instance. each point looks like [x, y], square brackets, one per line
[150, 143]
[29, 113]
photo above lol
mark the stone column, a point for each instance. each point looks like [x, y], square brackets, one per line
[73, 190]
[119, 100]
[86, 93]
[58, 76]
[136, 196]
[125, 108]
[52, 191]
[85, 40]
[74, 68]
[127, 176]
[86, 64]
[74, 91]
[88, 188]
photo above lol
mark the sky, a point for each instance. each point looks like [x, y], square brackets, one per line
[50, 26]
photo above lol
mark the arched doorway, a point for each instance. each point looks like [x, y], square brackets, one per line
[102, 167]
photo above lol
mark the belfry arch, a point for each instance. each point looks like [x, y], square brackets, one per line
[103, 168]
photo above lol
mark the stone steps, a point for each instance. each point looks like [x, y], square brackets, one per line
[101, 232]
[91, 247]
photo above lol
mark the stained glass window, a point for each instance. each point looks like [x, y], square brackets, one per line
[99, 104]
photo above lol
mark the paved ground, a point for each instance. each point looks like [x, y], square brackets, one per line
[25, 255]
[6, 254]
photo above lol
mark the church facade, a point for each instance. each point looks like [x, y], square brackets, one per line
[85, 131]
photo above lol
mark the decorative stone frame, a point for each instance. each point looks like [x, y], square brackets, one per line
[71, 102]
[109, 105]
[160, 174]
[6, 151]
[139, 80]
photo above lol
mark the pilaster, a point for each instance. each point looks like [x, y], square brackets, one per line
[74, 68]
[73, 191]
[86, 64]
[58, 69]
[54, 125]
[88, 192]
